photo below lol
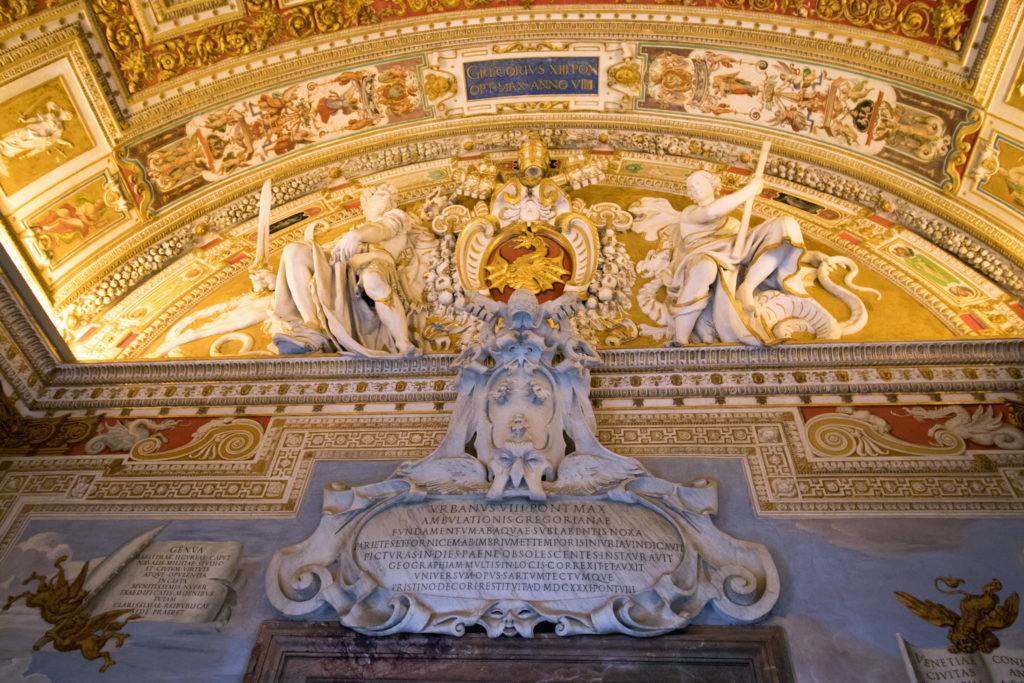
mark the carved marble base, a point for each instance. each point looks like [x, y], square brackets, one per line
[641, 558]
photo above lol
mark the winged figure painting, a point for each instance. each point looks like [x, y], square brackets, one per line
[980, 615]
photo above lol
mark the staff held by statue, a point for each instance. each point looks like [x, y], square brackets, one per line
[739, 246]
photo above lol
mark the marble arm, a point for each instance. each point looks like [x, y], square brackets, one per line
[723, 206]
[382, 229]
[371, 232]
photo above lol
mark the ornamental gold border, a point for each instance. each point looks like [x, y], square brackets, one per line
[961, 152]
[148, 25]
[67, 42]
[236, 78]
[985, 74]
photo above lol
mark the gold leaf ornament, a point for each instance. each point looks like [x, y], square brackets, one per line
[437, 87]
[12, 10]
[627, 75]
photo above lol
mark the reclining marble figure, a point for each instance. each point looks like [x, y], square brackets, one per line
[352, 298]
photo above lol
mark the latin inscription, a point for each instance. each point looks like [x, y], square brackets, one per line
[938, 664]
[532, 551]
[181, 581]
[531, 76]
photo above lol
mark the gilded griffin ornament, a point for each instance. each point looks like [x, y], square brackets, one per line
[64, 605]
[980, 615]
[537, 271]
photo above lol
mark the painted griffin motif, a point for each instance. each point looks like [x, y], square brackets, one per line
[121, 436]
[63, 605]
[55, 597]
[980, 615]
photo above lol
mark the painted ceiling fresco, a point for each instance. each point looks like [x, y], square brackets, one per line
[156, 40]
[134, 137]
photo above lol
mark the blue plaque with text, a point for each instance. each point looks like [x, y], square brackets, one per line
[531, 76]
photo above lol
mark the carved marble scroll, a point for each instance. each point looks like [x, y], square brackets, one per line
[520, 516]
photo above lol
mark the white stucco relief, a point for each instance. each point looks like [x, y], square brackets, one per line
[520, 516]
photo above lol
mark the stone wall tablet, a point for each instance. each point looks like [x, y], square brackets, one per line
[539, 524]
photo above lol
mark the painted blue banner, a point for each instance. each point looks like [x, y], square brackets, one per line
[531, 76]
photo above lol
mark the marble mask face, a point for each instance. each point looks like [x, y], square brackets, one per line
[510, 617]
[521, 409]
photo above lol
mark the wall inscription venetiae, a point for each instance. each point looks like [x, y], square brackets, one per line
[537, 551]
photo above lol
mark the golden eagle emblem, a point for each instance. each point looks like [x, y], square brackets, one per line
[980, 615]
[537, 271]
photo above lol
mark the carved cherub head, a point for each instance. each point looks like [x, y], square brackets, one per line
[701, 185]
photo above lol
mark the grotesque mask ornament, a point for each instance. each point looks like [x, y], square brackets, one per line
[510, 617]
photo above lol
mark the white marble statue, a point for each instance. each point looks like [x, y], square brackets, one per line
[352, 298]
[712, 286]
[719, 291]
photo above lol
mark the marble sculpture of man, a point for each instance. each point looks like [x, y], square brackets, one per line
[712, 293]
[350, 299]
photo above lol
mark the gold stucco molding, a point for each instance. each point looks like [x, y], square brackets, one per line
[905, 62]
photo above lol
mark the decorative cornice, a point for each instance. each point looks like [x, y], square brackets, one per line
[28, 360]
[902, 60]
[975, 368]
[708, 23]
[710, 372]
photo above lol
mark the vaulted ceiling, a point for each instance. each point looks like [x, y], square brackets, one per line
[129, 205]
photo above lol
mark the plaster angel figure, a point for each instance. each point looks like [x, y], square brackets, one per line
[712, 286]
[352, 299]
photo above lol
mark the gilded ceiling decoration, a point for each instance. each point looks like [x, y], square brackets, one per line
[232, 139]
[1006, 184]
[147, 44]
[1015, 96]
[789, 234]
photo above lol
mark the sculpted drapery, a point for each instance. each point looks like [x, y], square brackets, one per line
[352, 299]
[711, 295]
